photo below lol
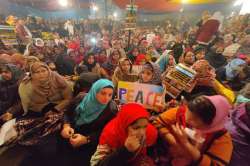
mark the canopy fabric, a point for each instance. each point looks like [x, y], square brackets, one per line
[168, 5]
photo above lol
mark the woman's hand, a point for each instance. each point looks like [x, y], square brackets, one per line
[6, 117]
[132, 143]
[182, 137]
[77, 140]
[180, 133]
[67, 131]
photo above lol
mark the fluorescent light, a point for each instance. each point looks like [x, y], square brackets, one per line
[115, 14]
[63, 3]
[238, 2]
[184, 1]
[95, 8]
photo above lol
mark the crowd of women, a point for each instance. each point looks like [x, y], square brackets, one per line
[63, 93]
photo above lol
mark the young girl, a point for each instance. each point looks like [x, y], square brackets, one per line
[150, 74]
[195, 132]
[125, 139]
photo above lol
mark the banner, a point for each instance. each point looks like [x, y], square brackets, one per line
[131, 15]
[8, 35]
[178, 79]
[151, 96]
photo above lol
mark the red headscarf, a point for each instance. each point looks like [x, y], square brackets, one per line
[140, 58]
[115, 132]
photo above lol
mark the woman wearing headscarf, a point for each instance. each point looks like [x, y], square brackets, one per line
[195, 134]
[214, 55]
[140, 59]
[166, 60]
[10, 105]
[83, 126]
[124, 72]
[150, 74]
[108, 67]
[239, 127]
[44, 95]
[91, 64]
[235, 74]
[125, 139]
[133, 54]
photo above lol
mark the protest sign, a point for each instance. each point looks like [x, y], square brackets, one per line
[8, 35]
[151, 96]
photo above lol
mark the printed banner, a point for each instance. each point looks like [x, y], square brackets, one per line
[178, 79]
[8, 35]
[151, 96]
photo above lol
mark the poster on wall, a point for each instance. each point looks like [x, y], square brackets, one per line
[151, 96]
[180, 78]
[8, 35]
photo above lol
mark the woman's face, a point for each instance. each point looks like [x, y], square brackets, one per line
[41, 74]
[138, 128]
[91, 60]
[125, 66]
[147, 75]
[194, 121]
[104, 95]
[6, 75]
[189, 58]
[200, 55]
[116, 55]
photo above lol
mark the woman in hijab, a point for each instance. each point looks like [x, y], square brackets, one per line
[10, 105]
[140, 59]
[239, 128]
[194, 132]
[234, 74]
[124, 72]
[91, 64]
[108, 67]
[166, 60]
[81, 130]
[133, 54]
[125, 139]
[44, 95]
[150, 74]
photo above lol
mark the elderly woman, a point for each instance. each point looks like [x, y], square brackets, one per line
[10, 104]
[124, 72]
[44, 95]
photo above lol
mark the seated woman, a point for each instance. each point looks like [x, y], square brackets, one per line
[91, 63]
[234, 74]
[82, 127]
[150, 74]
[195, 133]
[125, 139]
[239, 128]
[124, 72]
[10, 105]
[44, 95]
[108, 67]
[206, 84]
